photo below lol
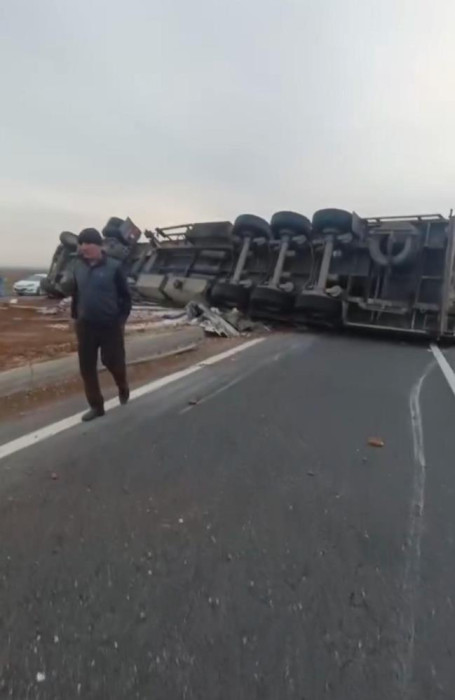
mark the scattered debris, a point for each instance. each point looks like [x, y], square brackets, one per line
[229, 324]
[211, 320]
[376, 442]
[241, 322]
[49, 310]
[54, 476]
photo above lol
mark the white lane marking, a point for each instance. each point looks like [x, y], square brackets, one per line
[233, 382]
[48, 431]
[228, 353]
[214, 393]
[446, 369]
[413, 545]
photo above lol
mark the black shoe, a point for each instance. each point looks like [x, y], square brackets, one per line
[124, 396]
[92, 414]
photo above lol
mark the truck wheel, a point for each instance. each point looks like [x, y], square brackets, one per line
[116, 248]
[250, 225]
[69, 240]
[334, 219]
[318, 304]
[113, 224]
[114, 235]
[230, 295]
[290, 223]
[113, 229]
[270, 299]
[50, 291]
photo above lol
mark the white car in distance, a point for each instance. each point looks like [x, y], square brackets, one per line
[31, 286]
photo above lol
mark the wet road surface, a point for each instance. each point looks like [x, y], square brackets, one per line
[234, 536]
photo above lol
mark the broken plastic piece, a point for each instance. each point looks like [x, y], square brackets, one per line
[376, 442]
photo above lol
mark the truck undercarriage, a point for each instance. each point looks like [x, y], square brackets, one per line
[338, 270]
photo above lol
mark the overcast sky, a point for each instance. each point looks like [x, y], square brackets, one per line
[178, 110]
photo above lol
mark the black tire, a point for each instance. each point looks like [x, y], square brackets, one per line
[290, 223]
[50, 290]
[114, 235]
[403, 252]
[113, 228]
[271, 299]
[69, 240]
[114, 223]
[230, 295]
[250, 225]
[46, 286]
[334, 219]
[116, 248]
[318, 305]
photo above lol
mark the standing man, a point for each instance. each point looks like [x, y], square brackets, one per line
[100, 307]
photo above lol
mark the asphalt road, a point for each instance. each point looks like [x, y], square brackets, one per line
[249, 546]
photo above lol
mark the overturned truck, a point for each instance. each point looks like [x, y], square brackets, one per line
[338, 270]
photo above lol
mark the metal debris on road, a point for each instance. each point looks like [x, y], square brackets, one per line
[211, 320]
[227, 324]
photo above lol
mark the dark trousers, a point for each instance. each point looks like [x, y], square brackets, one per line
[110, 340]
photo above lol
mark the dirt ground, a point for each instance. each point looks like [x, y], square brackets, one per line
[27, 336]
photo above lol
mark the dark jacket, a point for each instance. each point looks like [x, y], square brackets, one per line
[100, 293]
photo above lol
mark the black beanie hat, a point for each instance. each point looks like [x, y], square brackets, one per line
[90, 235]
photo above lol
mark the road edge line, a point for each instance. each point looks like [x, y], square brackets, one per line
[444, 366]
[48, 431]
[412, 571]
